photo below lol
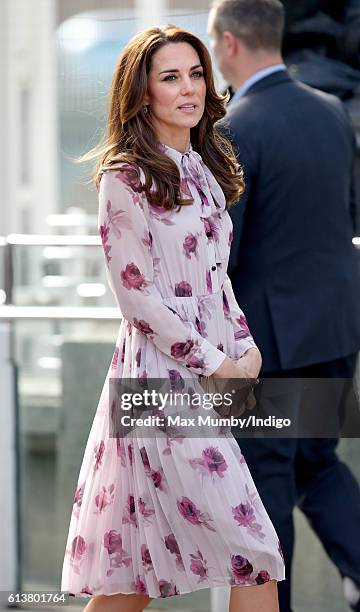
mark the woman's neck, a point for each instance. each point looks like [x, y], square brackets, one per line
[179, 142]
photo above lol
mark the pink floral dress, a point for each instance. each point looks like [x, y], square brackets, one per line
[157, 515]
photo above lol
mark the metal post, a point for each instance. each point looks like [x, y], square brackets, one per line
[219, 599]
[8, 273]
[9, 536]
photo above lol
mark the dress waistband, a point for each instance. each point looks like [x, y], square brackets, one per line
[191, 298]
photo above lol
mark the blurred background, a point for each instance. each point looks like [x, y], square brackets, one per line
[58, 321]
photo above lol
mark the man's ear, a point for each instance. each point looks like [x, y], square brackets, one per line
[230, 43]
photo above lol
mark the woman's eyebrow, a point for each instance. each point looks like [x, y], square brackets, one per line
[177, 70]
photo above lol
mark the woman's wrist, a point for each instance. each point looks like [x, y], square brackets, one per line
[225, 369]
[251, 361]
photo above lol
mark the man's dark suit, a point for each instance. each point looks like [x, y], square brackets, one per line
[295, 272]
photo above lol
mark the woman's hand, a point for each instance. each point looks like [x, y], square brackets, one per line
[250, 362]
[227, 369]
[247, 366]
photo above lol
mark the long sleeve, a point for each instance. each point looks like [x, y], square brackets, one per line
[127, 243]
[243, 337]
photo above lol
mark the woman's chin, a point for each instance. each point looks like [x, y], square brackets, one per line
[188, 122]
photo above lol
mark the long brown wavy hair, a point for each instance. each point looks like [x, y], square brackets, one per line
[130, 136]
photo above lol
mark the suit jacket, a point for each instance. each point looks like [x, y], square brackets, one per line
[294, 268]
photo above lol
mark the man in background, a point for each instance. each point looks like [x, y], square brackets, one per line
[293, 267]
[321, 44]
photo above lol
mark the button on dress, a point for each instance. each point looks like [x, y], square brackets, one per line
[165, 516]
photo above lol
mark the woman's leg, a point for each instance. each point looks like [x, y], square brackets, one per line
[260, 598]
[117, 603]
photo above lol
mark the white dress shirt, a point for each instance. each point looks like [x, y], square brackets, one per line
[257, 76]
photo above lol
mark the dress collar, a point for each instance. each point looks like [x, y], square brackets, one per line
[194, 170]
[174, 154]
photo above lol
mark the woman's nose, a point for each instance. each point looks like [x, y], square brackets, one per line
[187, 85]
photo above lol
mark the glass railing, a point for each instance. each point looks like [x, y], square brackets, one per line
[57, 399]
[64, 323]
[54, 270]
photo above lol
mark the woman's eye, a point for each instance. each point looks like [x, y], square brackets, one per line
[198, 74]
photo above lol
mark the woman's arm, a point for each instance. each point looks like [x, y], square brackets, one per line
[127, 245]
[243, 338]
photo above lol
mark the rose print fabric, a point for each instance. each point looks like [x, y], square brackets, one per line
[166, 516]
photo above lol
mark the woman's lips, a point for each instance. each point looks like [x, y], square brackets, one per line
[187, 108]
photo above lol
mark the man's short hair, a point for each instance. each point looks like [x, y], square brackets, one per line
[257, 23]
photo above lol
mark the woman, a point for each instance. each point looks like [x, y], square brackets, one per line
[159, 517]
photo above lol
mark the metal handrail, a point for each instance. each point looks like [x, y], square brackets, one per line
[50, 240]
[82, 313]
[73, 240]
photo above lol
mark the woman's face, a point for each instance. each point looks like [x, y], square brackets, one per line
[176, 90]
